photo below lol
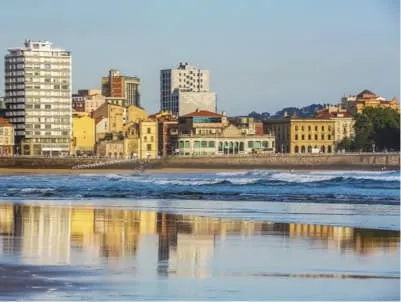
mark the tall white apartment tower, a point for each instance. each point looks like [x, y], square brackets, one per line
[38, 98]
[185, 89]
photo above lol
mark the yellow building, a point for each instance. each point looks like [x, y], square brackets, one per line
[83, 133]
[135, 114]
[131, 140]
[6, 138]
[110, 148]
[343, 123]
[115, 114]
[367, 99]
[302, 135]
[148, 146]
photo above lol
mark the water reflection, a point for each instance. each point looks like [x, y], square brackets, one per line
[42, 235]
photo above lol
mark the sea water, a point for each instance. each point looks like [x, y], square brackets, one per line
[222, 236]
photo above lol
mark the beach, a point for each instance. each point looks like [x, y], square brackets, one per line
[115, 234]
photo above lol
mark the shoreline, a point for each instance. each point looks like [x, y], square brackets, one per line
[167, 170]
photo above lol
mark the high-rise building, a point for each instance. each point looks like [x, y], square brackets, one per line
[185, 89]
[120, 86]
[38, 97]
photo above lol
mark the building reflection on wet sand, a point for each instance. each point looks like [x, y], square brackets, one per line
[49, 235]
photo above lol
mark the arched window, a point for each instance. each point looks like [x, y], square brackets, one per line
[303, 149]
[328, 149]
[323, 149]
[296, 149]
[309, 149]
[241, 146]
[296, 137]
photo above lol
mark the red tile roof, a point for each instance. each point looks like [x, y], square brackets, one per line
[327, 114]
[99, 119]
[202, 113]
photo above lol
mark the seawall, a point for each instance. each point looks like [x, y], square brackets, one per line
[367, 161]
[357, 161]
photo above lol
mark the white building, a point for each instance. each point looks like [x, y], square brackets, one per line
[38, 97]
[185, 89]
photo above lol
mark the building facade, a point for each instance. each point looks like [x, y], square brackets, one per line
[120, 86]
[367, 99]
[204, 133]
[185, 89]
[344, 124]
[302, 135]
[87, 100]
[83, 132]
[148, 147]
[38, 97]
[6, 138]
[116, 116]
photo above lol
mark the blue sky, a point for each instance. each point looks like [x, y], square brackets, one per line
[263, 55]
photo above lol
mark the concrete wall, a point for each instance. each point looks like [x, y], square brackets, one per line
[287, 161]
[366, 161]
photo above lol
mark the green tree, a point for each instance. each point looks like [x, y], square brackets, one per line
[345, 144]
[379, 127]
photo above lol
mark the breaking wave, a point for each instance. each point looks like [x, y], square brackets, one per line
[321, 186]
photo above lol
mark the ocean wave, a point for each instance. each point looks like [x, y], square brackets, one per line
[37, 190]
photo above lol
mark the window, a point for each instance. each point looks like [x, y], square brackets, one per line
[250, 144]
[322, 128]
[302, 128]
[148, 147]
[212, 144]
[296, 128]
[309, 128]
[329, 137]
[315, 136]
[322, 136]
[204, 144]
[149, 131]
[303, 137]
[296, 137]
[309, 137]
[315, 128]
